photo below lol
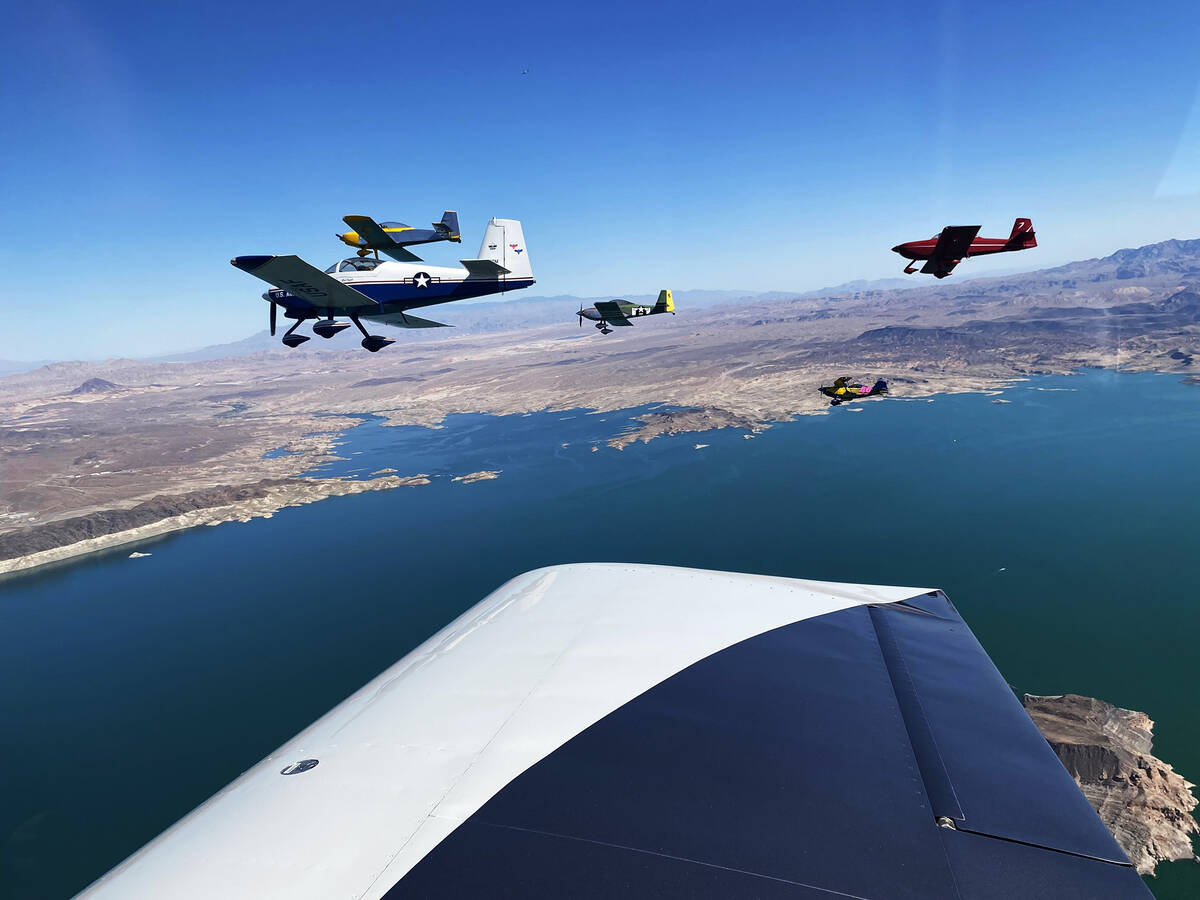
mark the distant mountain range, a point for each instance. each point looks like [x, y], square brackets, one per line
[15, 366]
[508, 312]
[1176, 258]
[1167, 259]
[729, 359]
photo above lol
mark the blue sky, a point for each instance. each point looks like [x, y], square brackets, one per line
[764, 146]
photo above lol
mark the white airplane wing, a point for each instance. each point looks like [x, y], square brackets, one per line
[603, 730]
[295, 276]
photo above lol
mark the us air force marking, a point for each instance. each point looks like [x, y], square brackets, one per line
[421, 280]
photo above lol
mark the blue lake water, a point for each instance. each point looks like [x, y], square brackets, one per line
[1061, 523]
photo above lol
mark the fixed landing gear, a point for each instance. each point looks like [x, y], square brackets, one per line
[372, 342]
[327, 328]
[330, 326]
[294, 340]
[910, 268]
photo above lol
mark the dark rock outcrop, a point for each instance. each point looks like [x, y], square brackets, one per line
[96, 386]
[1145, 803]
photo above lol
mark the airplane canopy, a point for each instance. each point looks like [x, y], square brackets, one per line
[355, 264]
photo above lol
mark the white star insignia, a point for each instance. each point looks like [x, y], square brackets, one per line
[421, 280]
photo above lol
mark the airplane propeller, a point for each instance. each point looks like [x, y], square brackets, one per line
[580, 314]
[274, 311]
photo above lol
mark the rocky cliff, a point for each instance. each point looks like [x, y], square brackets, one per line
[1144, 802]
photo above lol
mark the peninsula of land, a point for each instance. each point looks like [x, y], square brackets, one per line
[63, 539]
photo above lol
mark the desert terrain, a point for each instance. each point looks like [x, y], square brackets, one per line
[80, 441]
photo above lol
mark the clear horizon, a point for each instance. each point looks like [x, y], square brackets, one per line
[516, 296]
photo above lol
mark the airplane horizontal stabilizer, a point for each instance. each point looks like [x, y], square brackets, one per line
[484, 268]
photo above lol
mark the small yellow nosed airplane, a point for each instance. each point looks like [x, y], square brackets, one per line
[392, 237]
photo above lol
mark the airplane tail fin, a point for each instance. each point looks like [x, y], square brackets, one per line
[880, 387]
[448, 227]
[504, 243]
[1022, 236]
[666, 303]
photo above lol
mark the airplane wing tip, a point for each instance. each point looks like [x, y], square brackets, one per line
[249, 263]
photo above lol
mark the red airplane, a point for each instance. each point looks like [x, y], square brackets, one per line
[956, 242]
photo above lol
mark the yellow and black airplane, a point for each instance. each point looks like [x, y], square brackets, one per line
[619, 312]
[392, 237]
[842, 391]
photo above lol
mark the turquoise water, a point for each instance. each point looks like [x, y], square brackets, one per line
[1062, 524]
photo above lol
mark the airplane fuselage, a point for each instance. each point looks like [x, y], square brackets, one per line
[404, 235]
[393, 287]
[979, 247]
[628, 311]
[366, 287]
[841, 391]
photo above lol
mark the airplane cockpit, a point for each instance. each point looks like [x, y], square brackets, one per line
[355, 264]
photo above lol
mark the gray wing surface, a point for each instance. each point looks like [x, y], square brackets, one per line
[937, 264]
[612, 312]
[407, 320]
[400, 254]
[370, 230]
[603, 730]
[955, 241]
[295, 276]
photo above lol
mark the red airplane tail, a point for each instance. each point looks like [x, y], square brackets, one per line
[1023, 236]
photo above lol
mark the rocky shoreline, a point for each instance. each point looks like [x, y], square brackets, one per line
[473, 477]
[52, 542]
[683, 421]
[1145, 803]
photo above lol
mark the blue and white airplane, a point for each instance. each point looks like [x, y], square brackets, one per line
[383, 290]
